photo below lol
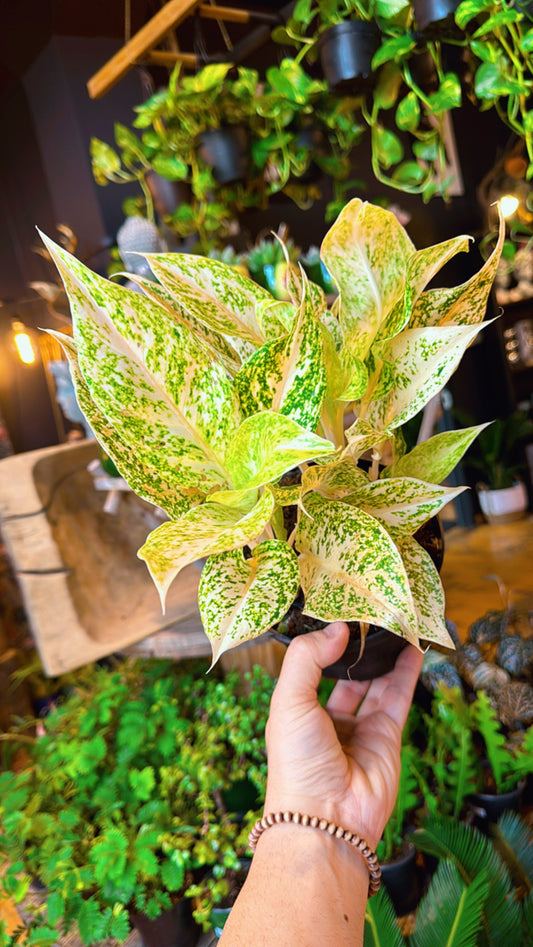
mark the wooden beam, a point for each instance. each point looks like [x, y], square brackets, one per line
[139, 45]
[168, 59]
[231, 14]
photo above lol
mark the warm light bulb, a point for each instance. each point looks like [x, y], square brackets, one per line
[23, 344]
[508, 204]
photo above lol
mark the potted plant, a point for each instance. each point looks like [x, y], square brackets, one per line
[120, 810]
[205, 392]
[479, 894]
[499, 457]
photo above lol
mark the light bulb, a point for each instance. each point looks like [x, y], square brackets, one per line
[508, 204]
[23, 344]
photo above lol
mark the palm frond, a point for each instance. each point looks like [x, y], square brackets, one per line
[513, 839]
[473, 853]
[450, 914]
[381, 925]
[527, 919]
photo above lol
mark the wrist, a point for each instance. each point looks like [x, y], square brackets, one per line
[346, 815]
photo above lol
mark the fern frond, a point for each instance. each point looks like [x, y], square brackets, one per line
[513, 839]
[473, 853]
[450, 914]
[381, 925]
[499, 757]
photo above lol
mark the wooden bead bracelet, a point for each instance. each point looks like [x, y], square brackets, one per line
[330, 828]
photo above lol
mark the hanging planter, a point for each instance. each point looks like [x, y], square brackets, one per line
[225, 150]
[435, 16]
[346, 50]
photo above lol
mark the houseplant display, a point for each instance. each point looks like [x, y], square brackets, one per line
[480, 894]
[121, 808]
[206, 392]
[499, 457]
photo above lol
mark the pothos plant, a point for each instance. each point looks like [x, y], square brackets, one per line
[205, 391]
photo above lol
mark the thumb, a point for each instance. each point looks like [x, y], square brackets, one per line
[306, 656]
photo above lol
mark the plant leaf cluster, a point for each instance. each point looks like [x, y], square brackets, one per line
[205, 391]
[123, 798]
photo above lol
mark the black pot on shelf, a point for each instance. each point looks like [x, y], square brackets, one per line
[225, 150]
[346, 51]
[486, 808]
[401, 879]
[173, 928]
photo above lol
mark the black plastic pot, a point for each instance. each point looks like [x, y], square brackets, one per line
[167, 195]
[401, 878]
[435, 16]
[346, 51]
[173, 928]
[225, 150]
[241, 796]
[488, 807]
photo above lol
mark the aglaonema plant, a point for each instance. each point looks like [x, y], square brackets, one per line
[205, 391]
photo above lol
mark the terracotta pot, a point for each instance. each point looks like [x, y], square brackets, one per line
[401, 879]
[173, 928]
[346, 50]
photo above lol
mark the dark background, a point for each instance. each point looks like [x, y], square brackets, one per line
[48, 51]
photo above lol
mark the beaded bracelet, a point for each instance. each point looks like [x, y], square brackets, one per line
[336, 831]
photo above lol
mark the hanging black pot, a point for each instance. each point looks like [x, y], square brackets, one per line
[346, 51]
[225, 150]
[401, 879]
[167, 195]
[435, 17]
[173, 928]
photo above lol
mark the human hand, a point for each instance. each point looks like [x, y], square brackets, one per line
[342, 762]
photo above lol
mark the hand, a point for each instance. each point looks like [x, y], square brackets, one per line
[342, 762]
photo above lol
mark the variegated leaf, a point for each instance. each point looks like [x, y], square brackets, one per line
[275, 318]
[434, 459]
[155, 383]
[231, 354]
[351, 569]
[287, 374]
[296, 278]
[428, 593]
[137, 466]
[242, 598]
[214, 292]
[336, 380]
[423, 361]
[356, 374]
[425, 264]
[403, 504]
[286, 496]
[202, 531]
[362, 437]
[266, 446]
[334, 480]
[366, 251]
[461, 305]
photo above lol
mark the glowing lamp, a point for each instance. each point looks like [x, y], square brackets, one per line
[23, 343]
[508, 204]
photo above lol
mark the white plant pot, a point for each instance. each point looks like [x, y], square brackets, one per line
[503, 506]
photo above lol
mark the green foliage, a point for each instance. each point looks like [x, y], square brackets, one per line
[453, 768]
[123, 799]
[206, 391]
[498, 452]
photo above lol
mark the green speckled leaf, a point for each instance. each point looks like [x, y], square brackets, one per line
[461, 305]
[366, 251]
[266, 446]
[424, 264]
[403, 504]
[334, 480]
[136, 466]
[296, 278]
[362, 437]
[215, 292]
[242, 598]
[286, 496]
[275, 318]
[287, 374]
[427, 591]
[356, 373]
[203, 531]
[230, 353]
[423, 361]
[434, 459]
[351, 569]
[153, 381]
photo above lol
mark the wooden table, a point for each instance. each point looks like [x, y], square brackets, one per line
[473, 555]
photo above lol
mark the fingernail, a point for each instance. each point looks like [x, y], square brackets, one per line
[334, 630]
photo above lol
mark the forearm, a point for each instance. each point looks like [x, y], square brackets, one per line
[303, 888]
